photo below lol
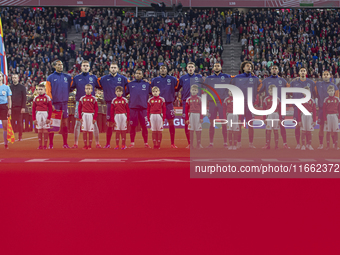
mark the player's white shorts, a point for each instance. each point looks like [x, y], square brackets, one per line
[307, 122]
[120, 121]
[194, 122]
[41, 118]
[87, 122]
[332, 123]
[270, 123]
[232, 119]
[156, 122]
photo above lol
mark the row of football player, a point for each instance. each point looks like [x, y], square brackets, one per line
[328, 120]
[57, 87]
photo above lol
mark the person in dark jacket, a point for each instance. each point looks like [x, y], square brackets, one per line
[18, 104]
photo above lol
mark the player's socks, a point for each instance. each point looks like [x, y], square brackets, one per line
[276, 138]
[211, 133]
[90, 139]
[172, 133]
[187, 133]
[268, 135]
[77, 132]
[40, 139]
[123, 137]
[109, 135]
[117, 137]
[154, 138]
[239, 135]
[85, 139]
[303, 138]
[225, 134]
[328, 138]
[333, 139]
[132, 134]
[45, 139]
[283, 134]
[159, 138]
[297, 134]
[5, 137]
[96, 132]
[198, 136]
[251, 134]
[230, 137]
[336, 140]
[145, 134]
[192, 137]
[65, 134]
[51, 135]
[309, 137]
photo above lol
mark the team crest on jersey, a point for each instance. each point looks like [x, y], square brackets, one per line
[159, 101]
[329, 101]
[280, 82]
[308, 84]
[310, 102]
[196, 78]
[228, 101]
[91, 79]
[250, 79]
[119, 79]
[116, 102]
[151, 101]
[37, 99]
[143, 86]
[91, 100]
[222, 77]
[190, 101]
[168, 80]
[65, 79]
[268, 100]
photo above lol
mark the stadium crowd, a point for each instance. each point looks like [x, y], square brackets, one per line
[35, 37]
[291, 38]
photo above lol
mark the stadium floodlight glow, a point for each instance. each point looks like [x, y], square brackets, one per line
[238, 100]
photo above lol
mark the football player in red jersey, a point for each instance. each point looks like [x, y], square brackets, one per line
[120, 115]
[156, 116]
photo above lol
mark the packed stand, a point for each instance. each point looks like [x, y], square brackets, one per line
[112, 36]
[291, 39]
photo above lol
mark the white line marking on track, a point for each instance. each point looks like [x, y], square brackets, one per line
[45, 160]
[103, 160]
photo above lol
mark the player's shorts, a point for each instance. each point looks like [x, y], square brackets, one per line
[87, 125]
[62, 107]
[170, 112]
[156, 122]
[332, 123]
[273, 125]
[3, 111]
[183, 113]
[214, 109]
[138, 115]
[194, 122]
[120, 121]
[76, 114]
[232, 122]
[320, 116]
[41, 117]
[307, 122]
[108, 111]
